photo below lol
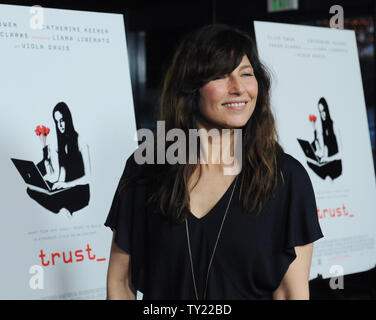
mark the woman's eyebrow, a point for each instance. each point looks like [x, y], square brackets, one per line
[246, 66]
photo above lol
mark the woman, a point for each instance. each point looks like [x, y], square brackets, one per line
[329, 140]
[72, 174]
[330, 163]
[189, 231]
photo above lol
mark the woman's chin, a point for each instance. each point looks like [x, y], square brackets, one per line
[233, 123]
[238, 124]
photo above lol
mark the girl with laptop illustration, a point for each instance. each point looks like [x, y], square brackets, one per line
[325, 146]
[70, 187]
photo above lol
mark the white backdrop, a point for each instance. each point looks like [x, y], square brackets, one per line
[79, 58]
[308, 63]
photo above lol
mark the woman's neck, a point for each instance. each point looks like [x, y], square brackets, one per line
[216, 145]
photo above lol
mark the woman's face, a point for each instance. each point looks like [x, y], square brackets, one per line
[322, 112]
[60, 121]
[228, 102]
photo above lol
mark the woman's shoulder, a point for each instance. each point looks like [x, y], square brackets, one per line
[81, 142]
[291, 167]
[131, 166]
[288, 162]
[137, 170]
[134, 162]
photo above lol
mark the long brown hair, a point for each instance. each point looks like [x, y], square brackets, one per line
[213, 51]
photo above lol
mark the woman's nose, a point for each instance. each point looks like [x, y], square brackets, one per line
[235, 86]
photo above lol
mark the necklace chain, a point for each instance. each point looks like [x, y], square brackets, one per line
[214, 249]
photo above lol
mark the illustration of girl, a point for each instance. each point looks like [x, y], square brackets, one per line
[325, 146]
[70, 189]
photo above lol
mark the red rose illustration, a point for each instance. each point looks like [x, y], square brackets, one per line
[312, 118]
[42, 132]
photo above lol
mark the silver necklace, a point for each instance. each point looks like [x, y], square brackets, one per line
[215, 246]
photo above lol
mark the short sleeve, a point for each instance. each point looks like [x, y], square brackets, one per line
[121, 211]
[302, 220]
[127, 216]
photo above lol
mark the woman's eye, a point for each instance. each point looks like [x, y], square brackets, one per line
[220, 77]
[247, 74]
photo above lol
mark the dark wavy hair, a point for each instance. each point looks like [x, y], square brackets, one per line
[70, 137]
[210, 52]
[327, 129]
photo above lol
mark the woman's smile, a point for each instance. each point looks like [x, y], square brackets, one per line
[235, 105]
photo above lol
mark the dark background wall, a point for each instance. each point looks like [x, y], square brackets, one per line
[154, 28]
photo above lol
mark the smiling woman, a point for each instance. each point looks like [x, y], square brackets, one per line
[230, 100]
[191, 231]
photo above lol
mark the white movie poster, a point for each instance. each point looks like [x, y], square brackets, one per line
[318, 101]
[67, 125]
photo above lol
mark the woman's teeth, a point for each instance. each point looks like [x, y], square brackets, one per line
[238, 104]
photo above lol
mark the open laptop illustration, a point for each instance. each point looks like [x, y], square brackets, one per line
[309, 152]
[32, 176]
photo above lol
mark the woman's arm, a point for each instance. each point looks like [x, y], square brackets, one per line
[60, 183]
[84, 149]
[119, 285]
[85, 179]
[336, 156]
[81, 180]
[294, 285]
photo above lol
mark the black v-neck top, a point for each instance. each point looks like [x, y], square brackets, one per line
[253, 251]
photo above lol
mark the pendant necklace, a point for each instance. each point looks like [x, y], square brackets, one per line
[215, 246]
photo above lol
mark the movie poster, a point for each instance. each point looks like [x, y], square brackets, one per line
[67, 126]
[318, 101]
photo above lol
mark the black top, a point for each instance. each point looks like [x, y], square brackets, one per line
[72, 161]
[253, 252]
